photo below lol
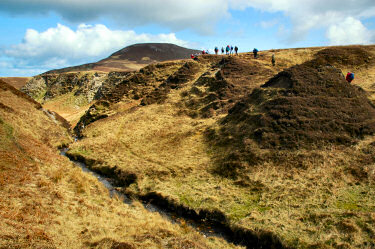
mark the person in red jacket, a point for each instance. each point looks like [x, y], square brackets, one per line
[349, 77]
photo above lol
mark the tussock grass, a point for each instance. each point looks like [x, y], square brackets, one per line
[318, 198]
[47, 202]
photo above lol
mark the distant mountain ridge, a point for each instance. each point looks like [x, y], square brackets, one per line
[133, 57]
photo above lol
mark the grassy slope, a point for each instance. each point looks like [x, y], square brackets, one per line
[320, 202]
[47, 202]
[16, 82]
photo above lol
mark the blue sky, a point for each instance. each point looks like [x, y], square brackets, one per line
[39, 35]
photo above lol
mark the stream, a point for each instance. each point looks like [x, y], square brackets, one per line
[204, 227]
[207, 223]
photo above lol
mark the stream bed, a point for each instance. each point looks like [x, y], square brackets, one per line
[209, 224]
[204, 227]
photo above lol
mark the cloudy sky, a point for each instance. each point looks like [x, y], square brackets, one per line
[39, 35]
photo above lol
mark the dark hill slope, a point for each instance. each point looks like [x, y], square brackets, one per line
[153, 52]
[133, 58]
[306, 106]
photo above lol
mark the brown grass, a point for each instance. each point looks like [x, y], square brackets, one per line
[47, 202]
[317, 198]
[16, 82]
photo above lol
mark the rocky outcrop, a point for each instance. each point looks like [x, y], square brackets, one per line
[35, 88]
[48, 86]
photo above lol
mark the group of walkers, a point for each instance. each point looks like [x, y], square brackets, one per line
[229, 50]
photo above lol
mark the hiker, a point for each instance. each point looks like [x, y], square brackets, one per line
[255, 51]
[203, 52]
[349, 77]
[227, 50]
[207, 51]
[222, 50]
[216, 50]
[236, 50]
[231, 49]
[273, 60]
[192, 56]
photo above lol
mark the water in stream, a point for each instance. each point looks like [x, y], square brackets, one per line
[203, 227]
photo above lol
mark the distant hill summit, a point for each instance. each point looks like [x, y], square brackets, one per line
[133, 58]
[153, 52]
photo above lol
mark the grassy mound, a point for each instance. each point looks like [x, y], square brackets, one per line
[355, 56]
[308, 105]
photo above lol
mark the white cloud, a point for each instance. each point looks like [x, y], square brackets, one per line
[269, 23]
[61, 46]
[350, 31]
[197, 15]
[176, 14]
[86, 41]
[306, 14]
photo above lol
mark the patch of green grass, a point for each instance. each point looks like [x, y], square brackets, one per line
[81, 151]
[356, 198]
[40, 96]
[8, 129]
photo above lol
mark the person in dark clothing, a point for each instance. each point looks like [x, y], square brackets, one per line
[227, 49]
[255, 51]
[273, 60]
[216, 50]
[222, 50]
[236, 50]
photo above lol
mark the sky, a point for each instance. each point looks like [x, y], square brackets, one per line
[40, 35]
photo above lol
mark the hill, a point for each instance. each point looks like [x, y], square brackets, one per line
[283, 155]
[133, 58]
